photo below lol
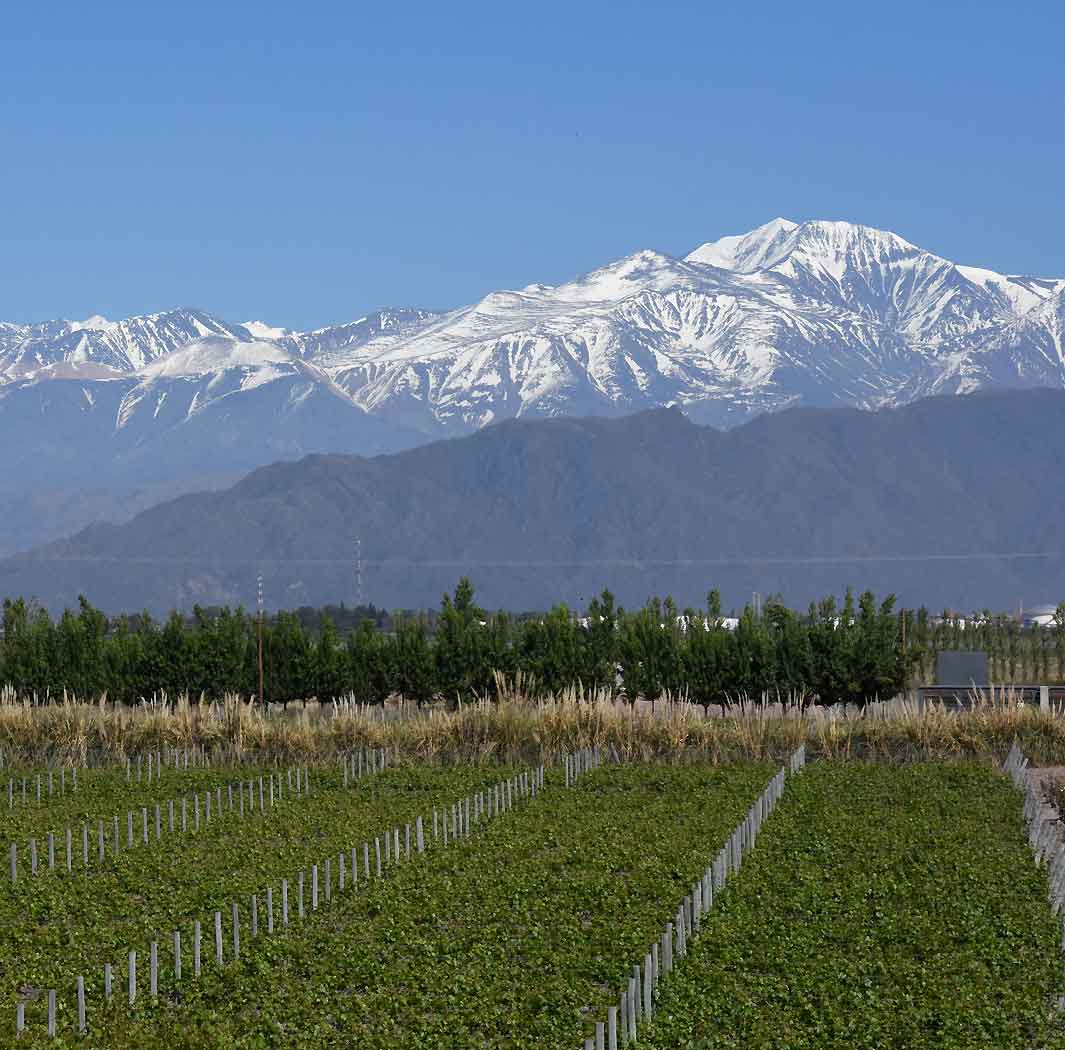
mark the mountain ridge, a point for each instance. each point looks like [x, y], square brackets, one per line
[863, 273]
[947, 501]
[817, 313]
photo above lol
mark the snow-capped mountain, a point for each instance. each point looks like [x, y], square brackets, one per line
[97, 348]
[345, 337]
[816, 313]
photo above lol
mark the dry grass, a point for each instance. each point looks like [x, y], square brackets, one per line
[520, 728]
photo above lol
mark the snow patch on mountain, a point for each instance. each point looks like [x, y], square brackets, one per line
[218, 354]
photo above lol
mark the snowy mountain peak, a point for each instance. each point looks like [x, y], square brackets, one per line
[53, 348]
[817, 312]
[833, 240]
[638, 262]
[96, 323]
[262, 330]
[631, 274]
[829, 244]
[745, 252]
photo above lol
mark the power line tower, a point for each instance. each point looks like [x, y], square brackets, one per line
[260, 605]
[358, 572]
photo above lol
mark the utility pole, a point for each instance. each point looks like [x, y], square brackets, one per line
[260, 641]
[358, 572]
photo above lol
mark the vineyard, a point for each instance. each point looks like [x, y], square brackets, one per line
[589, 899]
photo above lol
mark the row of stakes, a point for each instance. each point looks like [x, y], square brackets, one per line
[49, 785]
[52, 784]
[271, 789]
[582, 761]
[171, 757]
[636, 1004]
[58, 785]
[6, 763]
[1045, 836]
[136, 768]
[449, 826]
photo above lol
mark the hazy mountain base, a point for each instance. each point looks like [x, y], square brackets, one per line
[941, 502]
[181, 584]
[66, 463]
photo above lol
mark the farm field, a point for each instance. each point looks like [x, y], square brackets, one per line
[883, 906]
[102, 792]
[57, 926]
[886, 908]
[510, 939]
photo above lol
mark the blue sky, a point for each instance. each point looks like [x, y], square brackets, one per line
[303, 163]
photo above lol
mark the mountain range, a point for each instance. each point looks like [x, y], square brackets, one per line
[950, 501]
[105, 418]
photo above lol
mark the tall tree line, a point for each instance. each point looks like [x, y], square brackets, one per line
[1016, 653]
[833, 652]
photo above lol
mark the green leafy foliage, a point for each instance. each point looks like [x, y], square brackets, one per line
[883, 908]
[58, 926]
[102, 792]
[514, 937]
[852, 654]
